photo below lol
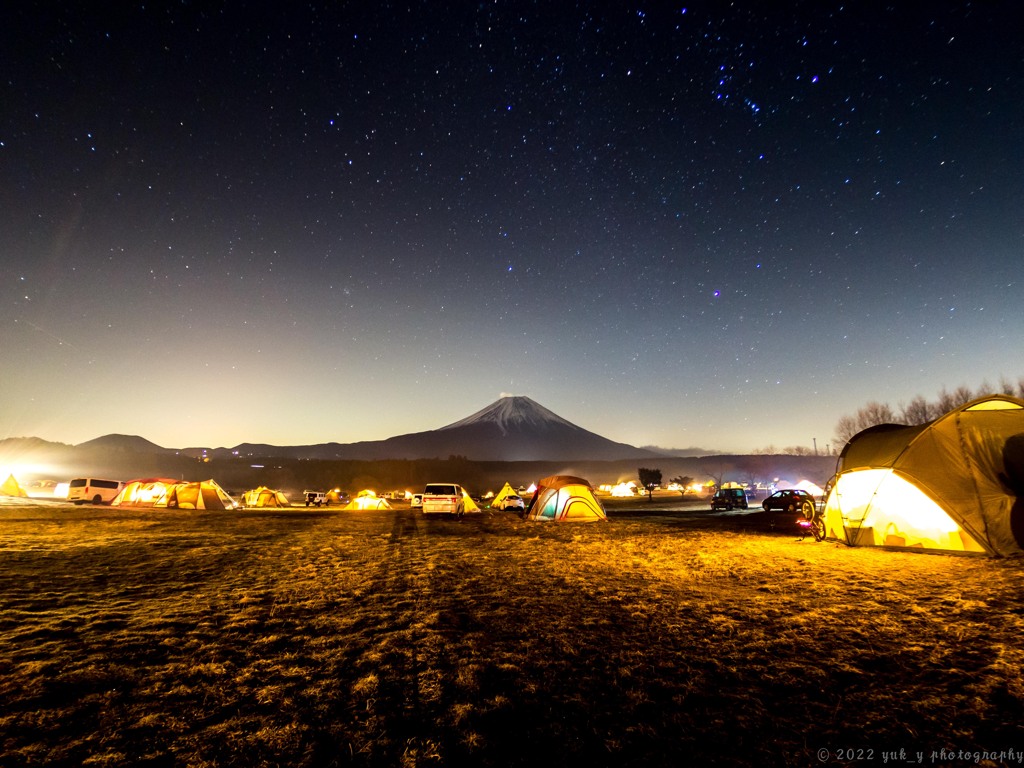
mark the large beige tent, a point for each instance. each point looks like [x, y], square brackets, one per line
[954, 484]
[11, 487]
[564, 498]
[205, 494]
[162, 492]
[265, 497]
[144, 492]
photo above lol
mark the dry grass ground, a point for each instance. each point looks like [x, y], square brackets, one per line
[317, 638]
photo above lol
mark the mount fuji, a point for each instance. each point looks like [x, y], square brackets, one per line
[509, 429]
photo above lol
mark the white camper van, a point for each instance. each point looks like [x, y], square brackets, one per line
[86, 490]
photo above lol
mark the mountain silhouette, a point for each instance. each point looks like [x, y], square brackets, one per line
[121, 444]
[510, 429]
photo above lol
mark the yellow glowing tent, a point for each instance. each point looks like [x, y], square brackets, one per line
[367, 500]
[205, 494]
[468, 505]
[564, 498]
[265, 497]
[954, 484]
[11, 487]
[145, 492]
[506, 490]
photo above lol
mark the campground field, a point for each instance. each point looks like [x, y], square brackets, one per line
[666, 636]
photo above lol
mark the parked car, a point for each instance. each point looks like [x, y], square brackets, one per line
[443, 499]
[729, 498]
[336, 496]
[512, 502]
[316, 498]
[788, 500]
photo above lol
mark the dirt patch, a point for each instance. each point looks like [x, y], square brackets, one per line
[662, 637]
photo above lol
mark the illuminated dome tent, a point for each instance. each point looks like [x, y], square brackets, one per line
[955, 484]
[265, 497]
[564, 498]
[367, 500]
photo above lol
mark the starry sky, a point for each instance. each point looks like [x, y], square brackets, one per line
[710, 224]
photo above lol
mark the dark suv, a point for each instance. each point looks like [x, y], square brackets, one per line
[729, 498]
[788, 500]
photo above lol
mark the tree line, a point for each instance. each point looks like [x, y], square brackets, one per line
[919, 410]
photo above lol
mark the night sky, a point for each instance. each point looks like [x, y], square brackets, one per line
[690, 224]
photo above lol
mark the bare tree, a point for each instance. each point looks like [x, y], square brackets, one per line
[962, 395]
[845, 429]
[753, 469]
[716, 468]
[945, 403]
[798, 450]
[875, 413]
[871, 414]
[917, 411]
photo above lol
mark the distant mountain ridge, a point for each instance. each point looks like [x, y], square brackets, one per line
[514, 438]
[513, 428]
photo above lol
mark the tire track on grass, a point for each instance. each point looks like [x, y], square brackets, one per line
[395, 703]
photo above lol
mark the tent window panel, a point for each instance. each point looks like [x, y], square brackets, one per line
[994, 405]
[550, 506]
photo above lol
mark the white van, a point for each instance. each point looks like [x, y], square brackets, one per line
[85, 490]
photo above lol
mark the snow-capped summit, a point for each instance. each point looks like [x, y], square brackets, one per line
[514, 413]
